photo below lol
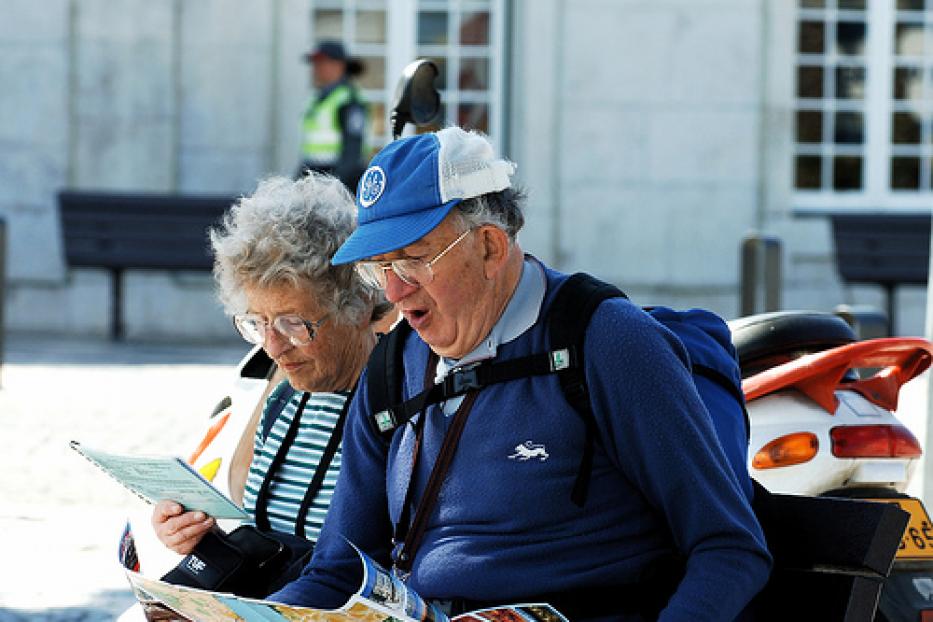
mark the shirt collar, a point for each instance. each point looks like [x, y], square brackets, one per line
[520, 314]
[327, 89]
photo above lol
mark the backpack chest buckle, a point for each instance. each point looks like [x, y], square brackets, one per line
[463, 380]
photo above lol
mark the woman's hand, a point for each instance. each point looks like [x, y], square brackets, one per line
[180, 531]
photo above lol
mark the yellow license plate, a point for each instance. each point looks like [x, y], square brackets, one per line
[917, 542]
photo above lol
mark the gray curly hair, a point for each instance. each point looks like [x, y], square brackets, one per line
[502, 209]
[286, 232]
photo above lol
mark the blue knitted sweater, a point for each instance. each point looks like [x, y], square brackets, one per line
[505, 528]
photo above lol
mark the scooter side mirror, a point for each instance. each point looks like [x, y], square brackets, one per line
[416, 99]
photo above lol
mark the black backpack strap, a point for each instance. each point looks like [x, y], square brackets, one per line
[568, 318]
[260, 516]
[461, 381]
[320, 471]
[279, 399]
[385, 375]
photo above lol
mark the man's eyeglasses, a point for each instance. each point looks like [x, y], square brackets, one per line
[415, 272]
[299, 331]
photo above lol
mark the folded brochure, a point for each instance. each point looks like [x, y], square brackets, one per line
[154, 478]
[381, 598]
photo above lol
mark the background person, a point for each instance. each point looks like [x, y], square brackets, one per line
[665, 524]
[336, 122]
[272, 266]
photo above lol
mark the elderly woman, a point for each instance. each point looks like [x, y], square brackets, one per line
[316, 321]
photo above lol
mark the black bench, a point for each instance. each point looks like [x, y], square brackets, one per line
[137, 231]
[883, 249]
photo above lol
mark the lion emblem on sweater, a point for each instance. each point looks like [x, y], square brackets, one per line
[528, 450]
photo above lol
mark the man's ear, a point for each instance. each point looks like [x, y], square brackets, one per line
[496, 248]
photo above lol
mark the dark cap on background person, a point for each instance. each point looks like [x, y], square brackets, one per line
[331, 49]
[327, 48]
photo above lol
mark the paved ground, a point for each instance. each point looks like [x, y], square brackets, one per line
[59, 516]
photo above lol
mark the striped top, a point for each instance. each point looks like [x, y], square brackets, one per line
[291, 480]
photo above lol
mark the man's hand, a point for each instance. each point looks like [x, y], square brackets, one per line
[180, 531]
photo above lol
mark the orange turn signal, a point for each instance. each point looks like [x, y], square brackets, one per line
[786, 450]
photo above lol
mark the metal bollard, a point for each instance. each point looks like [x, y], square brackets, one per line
[867, 321]
[760, 269]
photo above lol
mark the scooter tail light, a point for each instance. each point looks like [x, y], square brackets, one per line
[874, 441]
[787, 450]
[926, 615]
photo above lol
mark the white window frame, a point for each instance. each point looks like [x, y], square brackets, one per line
[401, 46]
[876, 194]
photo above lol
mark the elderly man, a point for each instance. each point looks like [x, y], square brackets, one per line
[665, 531]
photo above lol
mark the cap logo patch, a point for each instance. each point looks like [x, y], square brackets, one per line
[374, 182]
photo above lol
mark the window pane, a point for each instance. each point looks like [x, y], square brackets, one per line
[852, 5]
[850, 38]
[474, 117]
[809, 126]
[905, 129]
[908, 39]
[812, 4]
[850, 82]
[910, 5]
[474, 74]
[908, 83]
[432, 28]
[440, 82]
[809, 82]
[371, 27]
[848, 128]
[474, 28]
[328, 24]
[374, 72]
[811, 39]
[377, 111]
[808, 170]
[905, 173]
[847, 173]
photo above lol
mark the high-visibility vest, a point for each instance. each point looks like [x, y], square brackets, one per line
[322, 135]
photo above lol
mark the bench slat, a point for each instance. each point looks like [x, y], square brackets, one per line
[139, 231]
[882, 248]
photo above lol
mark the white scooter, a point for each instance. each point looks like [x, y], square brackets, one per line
[821, 406]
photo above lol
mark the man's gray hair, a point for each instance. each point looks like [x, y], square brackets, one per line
[286, 233]
[502, 209]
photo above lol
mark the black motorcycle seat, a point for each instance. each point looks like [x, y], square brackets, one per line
[768, 339]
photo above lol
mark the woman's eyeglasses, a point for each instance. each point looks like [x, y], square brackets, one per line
[297, 330]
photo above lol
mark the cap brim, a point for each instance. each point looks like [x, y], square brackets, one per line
[390, 234]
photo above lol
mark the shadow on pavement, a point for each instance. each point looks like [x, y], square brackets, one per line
[24, 349]
[105, 605]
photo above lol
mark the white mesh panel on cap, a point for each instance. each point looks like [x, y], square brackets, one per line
[468, 166]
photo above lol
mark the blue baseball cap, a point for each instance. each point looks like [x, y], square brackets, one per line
[413, 183]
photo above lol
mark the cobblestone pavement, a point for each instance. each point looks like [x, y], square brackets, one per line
[60, 517]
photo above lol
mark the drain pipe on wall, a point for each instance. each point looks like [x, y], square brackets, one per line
[926, 471]
[556, 185]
